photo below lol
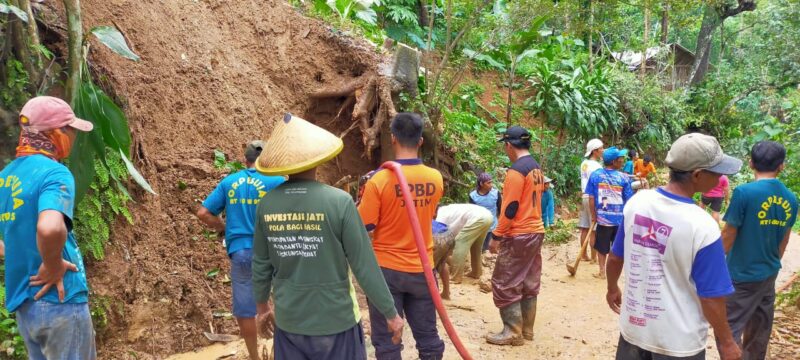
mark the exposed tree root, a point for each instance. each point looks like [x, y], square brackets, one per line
[370, 96]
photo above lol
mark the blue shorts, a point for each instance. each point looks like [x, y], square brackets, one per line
[244, 303]
[56, 331]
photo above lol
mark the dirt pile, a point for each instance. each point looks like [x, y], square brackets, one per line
[214, 74]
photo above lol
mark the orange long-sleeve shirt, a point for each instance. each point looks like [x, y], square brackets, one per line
[521, 212]
[383, 211]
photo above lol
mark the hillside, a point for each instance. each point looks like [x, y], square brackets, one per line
[213, 75]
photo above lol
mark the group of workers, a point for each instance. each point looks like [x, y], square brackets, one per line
[681, 271]
[293, 243]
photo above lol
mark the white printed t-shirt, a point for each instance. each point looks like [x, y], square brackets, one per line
[673, 256]
[457, 216]
[588, 166]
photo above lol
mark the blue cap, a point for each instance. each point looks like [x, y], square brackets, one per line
[612, 153]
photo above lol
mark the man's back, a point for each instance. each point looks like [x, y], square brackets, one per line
[310, 232]
[588, 167]
[763, 211]
[611, 190]
[522, 199]
[456, 216]
[383, 210]
[667, 239]
[238, 195]
[28, 186]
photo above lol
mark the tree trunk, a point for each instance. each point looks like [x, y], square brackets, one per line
[591, 28]
[721, 42]
[665, 23]
[509, 99]
[711, 19]
[645, 39]
[422, 13]
[26, 39]
[74, 44]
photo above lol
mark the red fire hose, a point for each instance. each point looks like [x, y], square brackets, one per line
[423, 256]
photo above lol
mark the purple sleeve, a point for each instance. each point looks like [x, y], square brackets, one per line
[618, 247]
[710, 272]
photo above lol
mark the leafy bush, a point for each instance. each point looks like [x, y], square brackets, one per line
[13, 93]
[560, 233]
[11, 344]
[574, 99]
[105, 201]
[220, 162]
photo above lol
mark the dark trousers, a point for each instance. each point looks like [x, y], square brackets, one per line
[414, 303]
[751, 310]
[348, 344]
[518, 269]
[486, 241]
[628, 351]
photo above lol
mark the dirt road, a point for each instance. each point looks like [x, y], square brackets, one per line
[573, 321]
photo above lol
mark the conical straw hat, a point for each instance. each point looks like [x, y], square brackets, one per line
[296, 145]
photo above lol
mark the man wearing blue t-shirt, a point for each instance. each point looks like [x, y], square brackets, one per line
[608, 189]
[36, 206]
[238, 195]
[758, 224]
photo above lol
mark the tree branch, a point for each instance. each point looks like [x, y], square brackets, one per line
[744, 5]
[75, 42]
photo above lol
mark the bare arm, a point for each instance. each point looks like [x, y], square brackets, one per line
[51, 234]
[715, 312]
[2, 249]
[212, 221]
[729, 236]
[613, 272]
[785, 242]
[592, 209]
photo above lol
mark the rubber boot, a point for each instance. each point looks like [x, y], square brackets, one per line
[512, 327]
[528, 317]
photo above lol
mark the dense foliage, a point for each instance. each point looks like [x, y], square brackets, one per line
[558, 75]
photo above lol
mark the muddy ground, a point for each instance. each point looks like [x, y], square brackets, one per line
[573, 321]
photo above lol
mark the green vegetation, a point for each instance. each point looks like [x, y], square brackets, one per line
[95, 216]
[560, 233]
[221, 162]
[11, 344]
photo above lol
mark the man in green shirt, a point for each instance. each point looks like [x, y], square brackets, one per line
[308, 237]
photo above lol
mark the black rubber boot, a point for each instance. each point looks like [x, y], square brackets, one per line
[528, 317]
[512, 327]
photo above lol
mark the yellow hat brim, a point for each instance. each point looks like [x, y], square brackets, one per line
[303, 166]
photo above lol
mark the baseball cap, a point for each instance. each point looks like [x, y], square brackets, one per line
[253, 150]
[613, 153]
[547, 180]
[515, 133]
[697, 151]
[44, 113]
[593, 145]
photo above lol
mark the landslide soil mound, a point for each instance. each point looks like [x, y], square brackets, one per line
[214, 74]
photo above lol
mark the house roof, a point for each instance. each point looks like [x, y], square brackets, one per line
[633, 58]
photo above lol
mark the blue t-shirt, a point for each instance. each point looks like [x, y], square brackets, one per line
[611, 190]
[628, 168]
[763, 211]
[238, 195]
[29, 185]
[491, 201]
